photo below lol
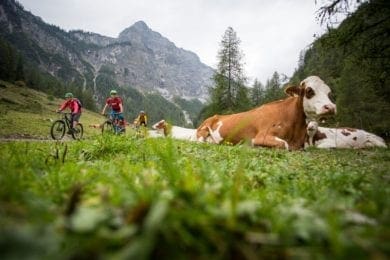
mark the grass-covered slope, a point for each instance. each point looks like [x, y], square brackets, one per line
[27, 113]
[119, 197]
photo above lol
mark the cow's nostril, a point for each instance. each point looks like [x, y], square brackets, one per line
[329, 108]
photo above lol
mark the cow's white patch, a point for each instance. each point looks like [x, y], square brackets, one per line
[183, 133]
[215, 134]
[201, 139]
[283, 141]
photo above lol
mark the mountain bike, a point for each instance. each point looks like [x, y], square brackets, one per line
[140, 130]
[113, 124]
[60, 126]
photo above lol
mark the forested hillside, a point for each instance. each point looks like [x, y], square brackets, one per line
[354, 60]
[14, 68]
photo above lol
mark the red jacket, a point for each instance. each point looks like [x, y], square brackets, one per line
[72, 104]
[114, 103]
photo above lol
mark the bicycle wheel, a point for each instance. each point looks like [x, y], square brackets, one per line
[118, 129]
[107, 127]
[78, 132]
[57, 130]
[123, 129]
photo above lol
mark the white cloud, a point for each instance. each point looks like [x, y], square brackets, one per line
[272, 33]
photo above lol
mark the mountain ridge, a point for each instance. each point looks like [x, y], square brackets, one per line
[139, 58]
[136, 46]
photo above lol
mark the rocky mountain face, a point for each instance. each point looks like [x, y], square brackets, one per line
[138, 58]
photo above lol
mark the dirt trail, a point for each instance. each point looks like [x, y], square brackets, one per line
[30, 138]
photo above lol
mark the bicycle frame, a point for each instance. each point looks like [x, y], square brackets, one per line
[64, 124]
[67, 119]
[113, 120]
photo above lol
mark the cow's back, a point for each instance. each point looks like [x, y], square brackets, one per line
[183, 133]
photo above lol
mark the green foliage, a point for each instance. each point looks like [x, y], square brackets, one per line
[125, 198]
[12, 68]
[257, 93]
[229, 93]
[193, 107]
[354, 60]
[159, 108]
[105, 82]
[7, 61]
[273, 89]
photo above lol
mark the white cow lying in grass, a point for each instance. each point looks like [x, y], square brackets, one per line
[324, 137]
[176, 132]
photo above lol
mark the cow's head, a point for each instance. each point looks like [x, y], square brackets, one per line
[163, 126]
[159, 125]
[315, 94]
[312, 128]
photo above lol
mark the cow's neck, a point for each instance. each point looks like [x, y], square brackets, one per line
[299, 132]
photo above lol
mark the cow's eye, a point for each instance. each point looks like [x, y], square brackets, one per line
[309, 92]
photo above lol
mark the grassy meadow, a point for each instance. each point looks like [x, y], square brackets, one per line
[124, 197]
[27, 113]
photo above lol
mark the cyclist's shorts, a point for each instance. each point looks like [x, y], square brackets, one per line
[75, 117]
[119, 115]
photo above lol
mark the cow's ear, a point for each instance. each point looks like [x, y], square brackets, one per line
[292, 90]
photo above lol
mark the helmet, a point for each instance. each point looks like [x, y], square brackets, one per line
[142, 112]
[67, 95]
[112, 92]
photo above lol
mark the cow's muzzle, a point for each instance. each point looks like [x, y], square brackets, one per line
[329, 109]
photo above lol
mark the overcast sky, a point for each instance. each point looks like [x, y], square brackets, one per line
[272, 32]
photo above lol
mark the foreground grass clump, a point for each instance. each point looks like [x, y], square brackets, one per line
[125, 198]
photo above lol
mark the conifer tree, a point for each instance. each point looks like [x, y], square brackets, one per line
[257, 93]
[19, 71]
[273, 89]
[229, 93]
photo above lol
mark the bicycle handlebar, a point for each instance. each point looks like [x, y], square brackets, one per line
[62, 112]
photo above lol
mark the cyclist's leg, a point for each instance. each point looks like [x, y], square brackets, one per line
[75, 120]
[70, 124]
[122, 120]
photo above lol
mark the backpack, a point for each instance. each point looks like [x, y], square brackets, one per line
[79, 102]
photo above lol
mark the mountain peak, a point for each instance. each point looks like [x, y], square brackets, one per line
[141, 25]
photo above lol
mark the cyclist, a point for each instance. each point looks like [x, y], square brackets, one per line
[75, 108]
[142, 119]
[116, 104]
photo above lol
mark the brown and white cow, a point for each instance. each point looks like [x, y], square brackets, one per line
[325, 137]
[280, 124]
[176, 132]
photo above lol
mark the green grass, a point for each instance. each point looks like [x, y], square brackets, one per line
[27, 113]
[122, 197]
